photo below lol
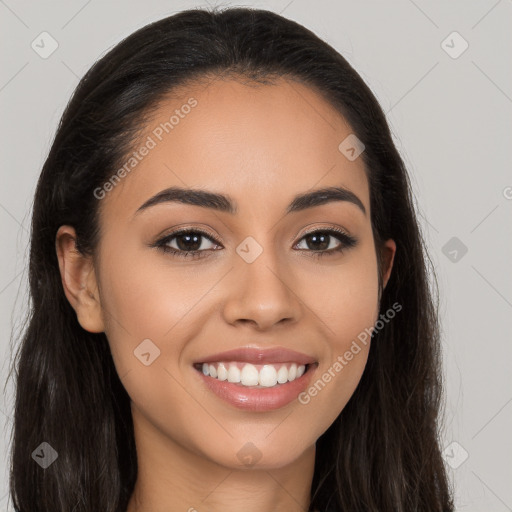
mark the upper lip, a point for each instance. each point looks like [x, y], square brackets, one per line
[259, 356]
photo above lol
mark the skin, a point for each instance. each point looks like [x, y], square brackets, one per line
[261, 145]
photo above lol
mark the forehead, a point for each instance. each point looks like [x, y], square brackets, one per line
[256, 143]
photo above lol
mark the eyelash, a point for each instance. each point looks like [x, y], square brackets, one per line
[346, 240]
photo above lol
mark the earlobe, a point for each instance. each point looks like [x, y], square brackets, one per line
[79, 281]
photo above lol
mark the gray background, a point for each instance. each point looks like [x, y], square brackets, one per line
[451, 120]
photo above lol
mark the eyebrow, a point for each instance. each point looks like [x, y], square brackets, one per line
[223, 203]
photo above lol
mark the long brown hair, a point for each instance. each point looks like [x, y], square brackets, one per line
[382, 453]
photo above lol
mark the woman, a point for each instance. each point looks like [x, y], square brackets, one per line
[230, 302]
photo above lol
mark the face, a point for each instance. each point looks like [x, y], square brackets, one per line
[257, 277]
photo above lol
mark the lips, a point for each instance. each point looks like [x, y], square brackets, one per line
[255, 380]
[259, 356]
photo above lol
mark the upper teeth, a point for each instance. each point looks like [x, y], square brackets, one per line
[248, 374]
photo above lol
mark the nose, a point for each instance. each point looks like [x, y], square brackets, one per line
[261, 293]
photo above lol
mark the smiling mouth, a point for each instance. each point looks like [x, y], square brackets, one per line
[249, 375]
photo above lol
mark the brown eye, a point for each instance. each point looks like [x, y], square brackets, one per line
[322, 241]
[188, 243]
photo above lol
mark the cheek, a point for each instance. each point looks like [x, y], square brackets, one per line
[145, 299]
[139, 303]
[346, 302]
[150, 322]
[345, 298]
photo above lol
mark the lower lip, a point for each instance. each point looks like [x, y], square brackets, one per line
[258, 399]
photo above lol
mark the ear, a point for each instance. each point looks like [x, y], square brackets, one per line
[388, 257]
[79, 281]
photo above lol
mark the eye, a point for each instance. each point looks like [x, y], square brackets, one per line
[321, 241]
[187, 243]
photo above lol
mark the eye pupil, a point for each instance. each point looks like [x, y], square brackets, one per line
[321, 238]
[186, 246]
